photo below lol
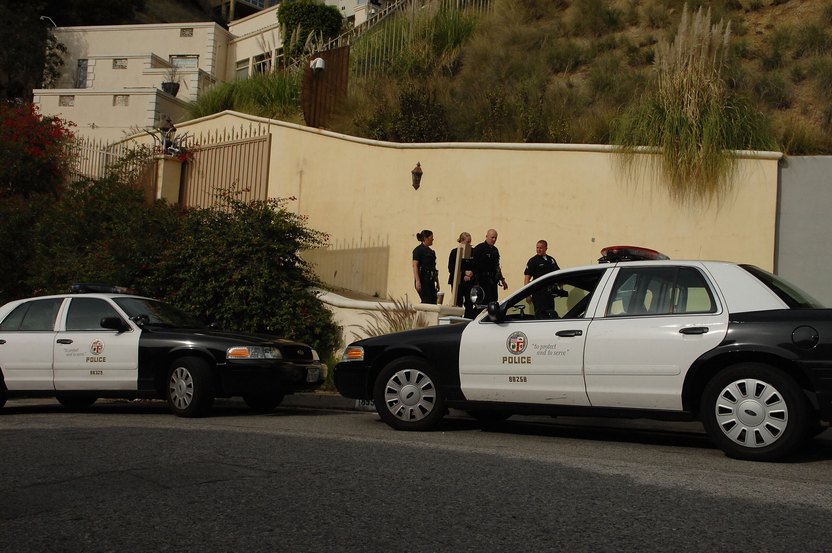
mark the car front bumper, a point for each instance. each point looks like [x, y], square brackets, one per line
[239, 377]
[353, 380]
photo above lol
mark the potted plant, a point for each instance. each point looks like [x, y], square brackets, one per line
[171, 82]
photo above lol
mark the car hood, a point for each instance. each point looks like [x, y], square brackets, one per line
[229, 336]
[415, 336]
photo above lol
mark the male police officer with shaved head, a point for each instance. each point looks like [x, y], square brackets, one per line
[487, 261]
[537, 266]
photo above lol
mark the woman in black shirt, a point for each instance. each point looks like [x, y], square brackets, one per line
[425, 275]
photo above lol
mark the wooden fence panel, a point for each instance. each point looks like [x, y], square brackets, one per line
[235, 163]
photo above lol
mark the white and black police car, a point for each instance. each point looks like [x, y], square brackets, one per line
[96, 343]
[636, 336]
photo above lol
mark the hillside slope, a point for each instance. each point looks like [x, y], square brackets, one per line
[563, 70]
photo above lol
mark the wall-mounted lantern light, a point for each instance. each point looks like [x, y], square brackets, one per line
[417, 175]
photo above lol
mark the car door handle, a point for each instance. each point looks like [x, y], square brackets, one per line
[694, 330]
[64, 341]
[2, 342]
[569, 333]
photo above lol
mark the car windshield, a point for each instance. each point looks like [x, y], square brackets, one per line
[158, 313]
[794, 297]
[564, 295]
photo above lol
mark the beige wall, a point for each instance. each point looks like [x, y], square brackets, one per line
[164, 40]
[359, 191]
[255, 23]
[97, 117]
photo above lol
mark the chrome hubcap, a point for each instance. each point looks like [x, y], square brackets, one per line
[752, 413]
[181, 388]
[410, 395]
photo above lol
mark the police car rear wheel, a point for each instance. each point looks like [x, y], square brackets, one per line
[407, 395]
[263, 402]
[74, 403]
[189, 389]
[754, 412]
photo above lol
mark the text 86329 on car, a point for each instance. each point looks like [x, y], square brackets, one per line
[82, 346]
[731, 345]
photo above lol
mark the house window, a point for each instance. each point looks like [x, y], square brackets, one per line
[262, 63]
[185, 61]
[66, 101]
[122, 100]
[242, 70]
[186, 32]
[120, 63]
[81, 74]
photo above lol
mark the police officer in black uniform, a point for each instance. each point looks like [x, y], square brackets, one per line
[425, 275]
[466, 278]
[539, 265]
[487, 261]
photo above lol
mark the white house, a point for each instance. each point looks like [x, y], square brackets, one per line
[111, 85]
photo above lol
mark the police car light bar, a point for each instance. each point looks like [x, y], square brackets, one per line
[97, 288]
[614, 254]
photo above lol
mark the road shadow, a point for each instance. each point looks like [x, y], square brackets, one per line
[222, 408]
[630, 431]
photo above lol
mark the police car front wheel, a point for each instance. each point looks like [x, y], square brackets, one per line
[407, 395]
[189, 387]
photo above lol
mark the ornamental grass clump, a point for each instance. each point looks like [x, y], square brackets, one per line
[388, 319]
[690, 117]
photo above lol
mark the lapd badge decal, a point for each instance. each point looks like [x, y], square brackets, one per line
[97, 347]
[517, 343]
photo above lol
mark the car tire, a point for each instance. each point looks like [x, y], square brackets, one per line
[189, 387]
[755, 412]
[76, 403]
[2, 397]
[407, 395]
[263, 402]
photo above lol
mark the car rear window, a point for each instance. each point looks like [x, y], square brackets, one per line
[793, 296]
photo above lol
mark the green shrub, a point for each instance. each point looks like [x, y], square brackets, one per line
[274, 95]
[812, 40]
[777, 44]
[595, 17]
[822, 71]
[216, 99]
[774, 90]
[238, 265]
[301, 18]
[799, 138]
[100, 231]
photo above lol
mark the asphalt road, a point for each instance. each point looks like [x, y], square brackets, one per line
[131, 477]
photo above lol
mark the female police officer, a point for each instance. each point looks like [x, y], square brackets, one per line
[425, 274]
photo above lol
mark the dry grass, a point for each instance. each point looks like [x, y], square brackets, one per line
[400, 317]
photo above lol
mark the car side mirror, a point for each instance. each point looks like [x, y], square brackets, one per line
[114, 323]
[495, 313]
